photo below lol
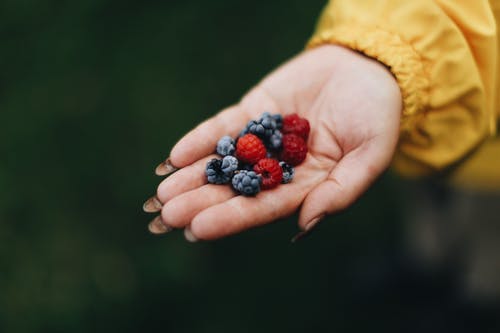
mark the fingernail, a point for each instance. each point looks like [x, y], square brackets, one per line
[313, 223]
[152, 205]
[165, 168]
[189, 235]
[307, 229]
[157, 227]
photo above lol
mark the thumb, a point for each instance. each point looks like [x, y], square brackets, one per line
[350, 178]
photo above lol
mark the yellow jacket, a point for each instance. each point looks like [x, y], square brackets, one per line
[444, 56]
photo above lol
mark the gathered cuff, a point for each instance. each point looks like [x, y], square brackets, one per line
[408, 67]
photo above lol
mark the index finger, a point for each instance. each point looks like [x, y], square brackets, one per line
[202, 140]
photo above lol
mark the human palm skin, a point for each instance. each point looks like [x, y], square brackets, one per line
[353, 104]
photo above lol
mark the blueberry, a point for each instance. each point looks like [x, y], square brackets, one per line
[288, 172]
[263, 127]
[278, 119]
[247, 182]
[229, 165]
[221, 171]
[267, 128]
[225, 146]
[274, 141]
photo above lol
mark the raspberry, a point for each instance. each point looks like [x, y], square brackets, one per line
[270, 171]
[288, 172]
[225, 146]
[294, 149]
[221, 171]
[250, 149]
[293, 124]
[247, 182]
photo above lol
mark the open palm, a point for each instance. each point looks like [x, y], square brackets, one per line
[353, 105]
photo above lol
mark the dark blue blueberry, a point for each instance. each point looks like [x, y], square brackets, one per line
[215, 172]
[259, 129]
[247, 182]
[225, 146]
[229, 165]
[263, 128]
[278, 119]
[274, 141]
[288, 172]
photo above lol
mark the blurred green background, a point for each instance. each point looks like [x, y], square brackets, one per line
[93, 94]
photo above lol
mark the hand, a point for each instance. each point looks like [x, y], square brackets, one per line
[353, 104]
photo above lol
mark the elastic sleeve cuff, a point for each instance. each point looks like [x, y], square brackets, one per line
[408, 67]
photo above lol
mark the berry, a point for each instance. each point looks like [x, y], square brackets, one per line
[263, 128]
[250, 149]
[274, 141]
[249, 163]
[294, 149]
[225, 146]
[288, 172]
[221, 171]
[229, 165]
[293, 124]
[271, 172]
[247, 182]
[278, 119]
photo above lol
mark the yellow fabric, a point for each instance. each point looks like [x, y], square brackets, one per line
[444, 56]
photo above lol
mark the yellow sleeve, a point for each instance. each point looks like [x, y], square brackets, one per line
[443, 55]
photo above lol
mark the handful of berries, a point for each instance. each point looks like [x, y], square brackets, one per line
[263, 156]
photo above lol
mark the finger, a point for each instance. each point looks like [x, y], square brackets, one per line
[189, 235]
[179, 211]
[350, 178]
[186, 179]
[240, 212]
[152, 205]
[202, 140]
[157, 227]
[165, 168]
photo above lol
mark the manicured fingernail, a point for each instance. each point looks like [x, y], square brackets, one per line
[313, 223]
[189, 235]
[307, 229]
[165, 168]
[152, 205]
[157, 227]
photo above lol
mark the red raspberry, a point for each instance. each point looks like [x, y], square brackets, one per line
[296, 125]
[271, 172]
[294, 149]
[250, 149]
